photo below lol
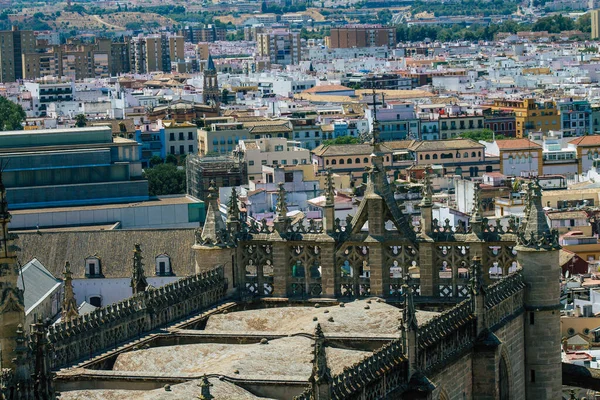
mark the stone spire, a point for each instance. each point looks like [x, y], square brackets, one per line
[476, 219]
[205, 386]
[214, 232]
[379, 205]
[44, 378]
[427, 200]
[535, 233]
[138, 277]
[69, 305]
[329, 209]
[476, 284]
[329, 188]
[233, 213]
[12, 309]
[409, 316]
[321, 378]
[281, 219]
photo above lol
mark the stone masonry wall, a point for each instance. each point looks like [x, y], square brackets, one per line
[455, 381]
[513, 348]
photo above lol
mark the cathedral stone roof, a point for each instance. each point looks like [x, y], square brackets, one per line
[220, 390]
[114, 248]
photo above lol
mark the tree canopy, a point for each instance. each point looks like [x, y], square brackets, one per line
[483, 134]
[164, 179]
[341, 140]
[11, 115]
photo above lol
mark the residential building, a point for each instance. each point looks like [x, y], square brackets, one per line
[362, 36]
[271, 152]
[150, 53]
[575, 117]
[221, 138]
[397, 121]
[78, 166]
[531, 114]
[587, 148]
[43, 93]
[463, 157]
[307, 132]
[349, 159]
[557, 160]
[176, 48]
[203, 34]
[14, 43]
[502, 122]
[280, 46]
[178, 138]
[595, 17]
[518, 157]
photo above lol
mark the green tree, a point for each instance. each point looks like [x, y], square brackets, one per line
[155, 160]
[341, 140]
[224, 96]
[11, 115]
[171, 159]
[482, 134]
[584, 23]
[165, 179]
[80, 120]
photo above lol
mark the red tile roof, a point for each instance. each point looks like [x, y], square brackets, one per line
[593, 140]
[514, 144]
[327, 88]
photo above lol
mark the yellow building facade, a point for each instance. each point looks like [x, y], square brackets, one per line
[531, 115]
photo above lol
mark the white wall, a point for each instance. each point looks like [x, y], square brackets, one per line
[112, 290]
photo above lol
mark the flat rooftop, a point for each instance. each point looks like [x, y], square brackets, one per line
[159, 201]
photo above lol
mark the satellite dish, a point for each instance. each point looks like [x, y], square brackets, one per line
[567, 274]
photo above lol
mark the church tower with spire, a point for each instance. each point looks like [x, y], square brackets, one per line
[210, 91]
[538, 254]
[12, 309]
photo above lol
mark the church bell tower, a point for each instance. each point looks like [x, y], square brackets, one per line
[210, 92]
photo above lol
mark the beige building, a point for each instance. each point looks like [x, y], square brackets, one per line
[273, 152]
[221, 138]
[595, 17]
[176, 48]
[150, 54]
[280, 46]
[13, 44]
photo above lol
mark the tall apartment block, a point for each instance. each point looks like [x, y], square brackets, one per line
[13, 43]
[595, 16]
[362, 36]
[150, 54]
[206, 33]
[280, 46]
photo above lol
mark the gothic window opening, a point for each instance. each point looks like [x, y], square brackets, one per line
[503, 382]
[453, 272]
[257, 262]
[355, 271]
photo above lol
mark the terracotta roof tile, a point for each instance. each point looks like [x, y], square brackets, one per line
[514, 144]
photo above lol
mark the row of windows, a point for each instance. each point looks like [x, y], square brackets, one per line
[349, 161]
[295, 161]
[182, 149]
[93, 266]
[520, 160]
[190, 136]
[450, 155]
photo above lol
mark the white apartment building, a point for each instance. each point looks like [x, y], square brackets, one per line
[271, 152]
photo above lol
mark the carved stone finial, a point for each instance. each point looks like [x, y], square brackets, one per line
[233, 208]
[476, 219]
[427, 200]
[138, 278]
[281, 207]
[205, 386]
[409, 315]
[321, 374]
[535, 233]
[69, 304]
[476, 284]
[329, 188]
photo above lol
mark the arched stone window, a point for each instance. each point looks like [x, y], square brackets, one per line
[473, 154]
[435, 156]
[95, 300]
[427, 157]
[357, 161]
[93, 267]
[333, 162]
[349, 161]
[366, 160]
[341, 161]
[163, 265]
